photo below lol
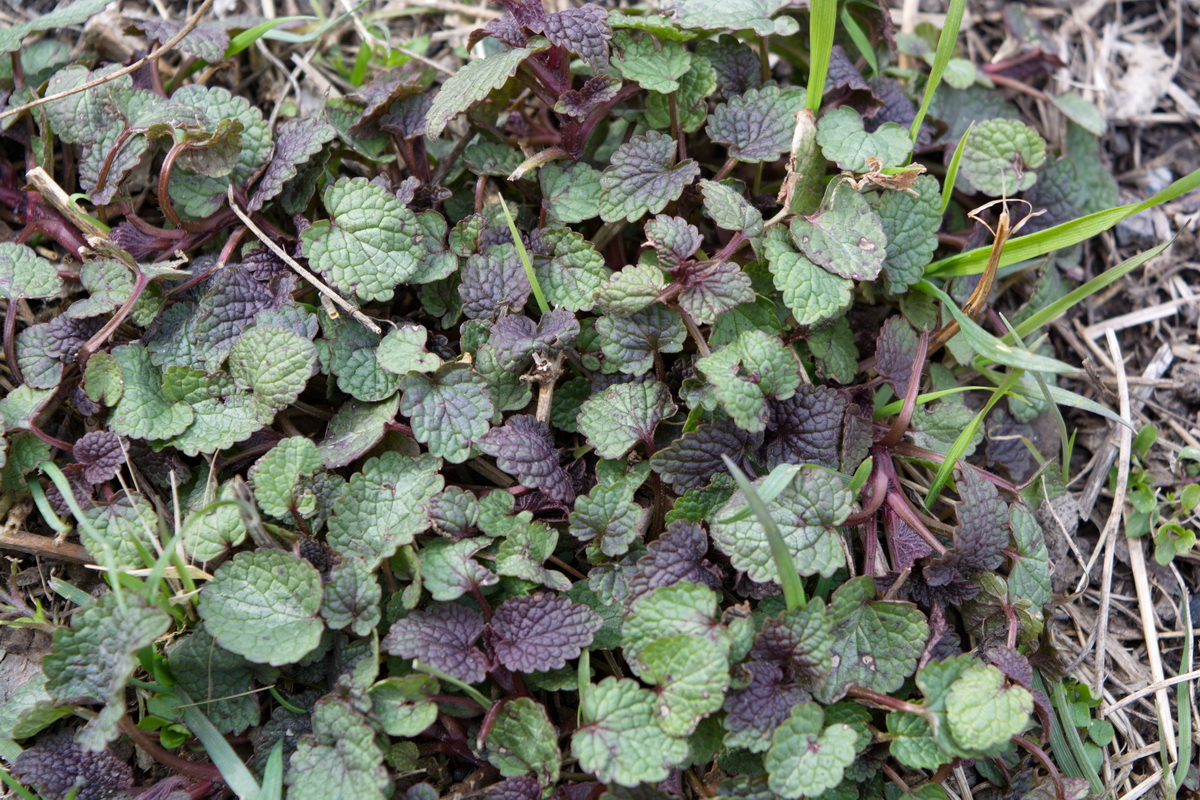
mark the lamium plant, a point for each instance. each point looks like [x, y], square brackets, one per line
[642, 409]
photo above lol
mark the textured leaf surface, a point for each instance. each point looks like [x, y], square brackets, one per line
[806, 511]
[757, 126]
[653, 67]
[296, 141]
[616, 420]
[216, 677]
[643, 178]
[523, 447]
[690, 675]
[983, 713]
[522, 740]
[143, 412]
[630, 343]
[352, 597]
[91, 661]
[263, 605]
[1029, 578]
[1000, 157]
[541, 632]
[274, 363]
[733, 15]
[806, 428]
[677, 608]
[448, 410]
[568, 268]
[846, 237]
[843, 139]
[571, 191]
[449, 569]
[23, 273]
[403, 350]
[813, 294]
[442, 636]
[910, 225]
[474, 82]
[341, 752]
[277, 476]
[748, 371]
[618, 739]
[691, 461]
[806, 757]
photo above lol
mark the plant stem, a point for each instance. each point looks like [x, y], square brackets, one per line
[694, 331]
[10, 340]
[673, 107]
[725, 169]
[93, 344]
[197, 771]
[1060, 791]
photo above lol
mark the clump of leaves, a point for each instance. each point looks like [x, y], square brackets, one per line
[548, 431]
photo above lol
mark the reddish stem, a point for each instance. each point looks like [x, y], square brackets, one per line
[192, 769]
[10, 340]
[900, 425]
[140, 283]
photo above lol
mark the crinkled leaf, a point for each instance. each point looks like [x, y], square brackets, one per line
[813, 294]
[296, 141]
[541, 632]
[263, 605]
[102, 380]
[274, 363]
[1000, 158]
[731, 211]
[807, 757]
[92, 660]
[448, 410]
[39, 367]
[279, 477]
[101, 455]
[449, 570]
[747, 372]
[807, 512]
[677, 555]
[583, 31]
[609, 514]
[616, 420]
[524, 551]
[806, 428]
[618, 739]
[654, 66]
[216, 677]
[568, 268]
[30, 709]
[143, 411]
[983, 713]
[911, 226]
[382, 507]
[23, 273]
[690, 675]
[493, 283]
[474, 82]
[876, 642]
[630, 343]
[208, 41]
[341, 752]
[895, 353]
[695, 86]
[355, 428]
[442, 636]
[60, 16]
[733, 15]
[674, 239]
[983, 523]
[523, 740]
[691, 461]
[352, 597]
[843, 139]
[1029, 578]
[801, 639]
[757, 126]
[368, 245]
[754, 711]
[668, 610]
[846, 237]
[630, 290]
[354, 359]
[525, 448]
[212, 531]
[517, 339]
[59, 768]
[642, 178]
[936, 426]
[712, 288]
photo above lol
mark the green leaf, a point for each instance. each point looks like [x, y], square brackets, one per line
[403, 350]
[748, 371]
[652, 65]
[690, 675]
[449, 570]
[352, 597]
[522, 740]
[609, 515]
[631, 343]
[846, 237]
[23, 273]
[642, 178]
[274, 363]
[524, 551]
[570, 192]
[876, 642]
[21, 407]
[143, 412]
[984, 714]
[448, 410]
[403, 705]
[734, 15]
[212, 531]
[383, 507]
[474, 82]
[102, 380]
[1029, 578]
[731, 211]
[93, 659]
[813, 294]
[694, 86]
[806, 756]
[806, 512]
[339, 759]
[680, 608]
[1000, 158]
[278, 477]
[29, 710]
[59, 17]
[1081, 112]
[757, 126]
[263, 605]
[355, 429]
[843, 139]
[615, 421]
[219, 679]
[368, 245]
[910, 225]
[568, 269]
[630, 290]
[618, 739]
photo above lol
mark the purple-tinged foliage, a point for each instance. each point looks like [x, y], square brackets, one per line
[541, 632]
[101, 455]
[58, 765]
[444, 637]
[523, 447]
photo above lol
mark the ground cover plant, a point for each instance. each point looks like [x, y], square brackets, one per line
[640, 410]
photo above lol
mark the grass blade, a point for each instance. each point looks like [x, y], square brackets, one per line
[945, 50]
[1023, 248]
[789, 578]
[525, 262]
[1064, 439]
[17, 789]
[821, 25]
[862, 42]
[272, 782]
[233, 770]
[1183, 700]
[952, 170]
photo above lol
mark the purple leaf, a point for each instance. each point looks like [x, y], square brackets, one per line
[677, 555]
[517, 339]
[386, 88]
[525, 448]
[711, 288]
[895, 353]
[643, 177]
[693, 459]
[800, 639]
[101, 455]
[583, 31]
[805, 428]
[578, 103]
[406, 118]
[528, 13]
[674, 239]
[296, 142]
[442, 636]
[754, 712]
[58, 765]
[736, 65]
[541, 632]
[493, 283]
[904, 544]
[507, 29]
[208, 41]
[983, 523]
[522, 787]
